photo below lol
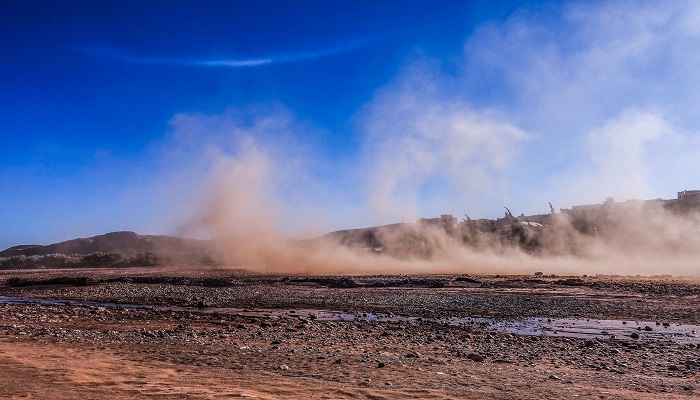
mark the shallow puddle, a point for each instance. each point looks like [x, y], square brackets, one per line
[588, 328]
[560, 327]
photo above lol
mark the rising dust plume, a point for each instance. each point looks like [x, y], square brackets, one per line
[244, 213]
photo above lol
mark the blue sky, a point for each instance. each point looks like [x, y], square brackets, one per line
[121, 115]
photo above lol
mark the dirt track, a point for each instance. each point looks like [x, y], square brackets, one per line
[271, 348]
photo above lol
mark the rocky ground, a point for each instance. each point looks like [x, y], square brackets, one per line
[233, 334]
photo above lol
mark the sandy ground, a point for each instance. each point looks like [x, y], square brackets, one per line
[279, 345]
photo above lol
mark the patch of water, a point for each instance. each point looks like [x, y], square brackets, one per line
[59, 302]
[585, 328]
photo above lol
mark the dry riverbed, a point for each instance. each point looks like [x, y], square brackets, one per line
[225, 334]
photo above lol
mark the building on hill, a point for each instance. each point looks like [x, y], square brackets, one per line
[687, 200]
[691, 196]
[446, 221]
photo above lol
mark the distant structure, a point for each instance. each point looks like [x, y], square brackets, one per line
[586, 218]
[689, 196]
[687, 200]
[446, 221]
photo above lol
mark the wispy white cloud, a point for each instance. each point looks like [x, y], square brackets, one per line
[617, 158]
[111, 54]
[428, 153]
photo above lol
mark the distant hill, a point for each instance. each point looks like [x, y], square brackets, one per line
[368, 238]
[125, 243]
[404, 240]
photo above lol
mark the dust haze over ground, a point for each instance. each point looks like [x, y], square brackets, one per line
[245, 212]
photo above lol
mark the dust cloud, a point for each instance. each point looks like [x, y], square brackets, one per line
[245, 214]
[521, 119]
